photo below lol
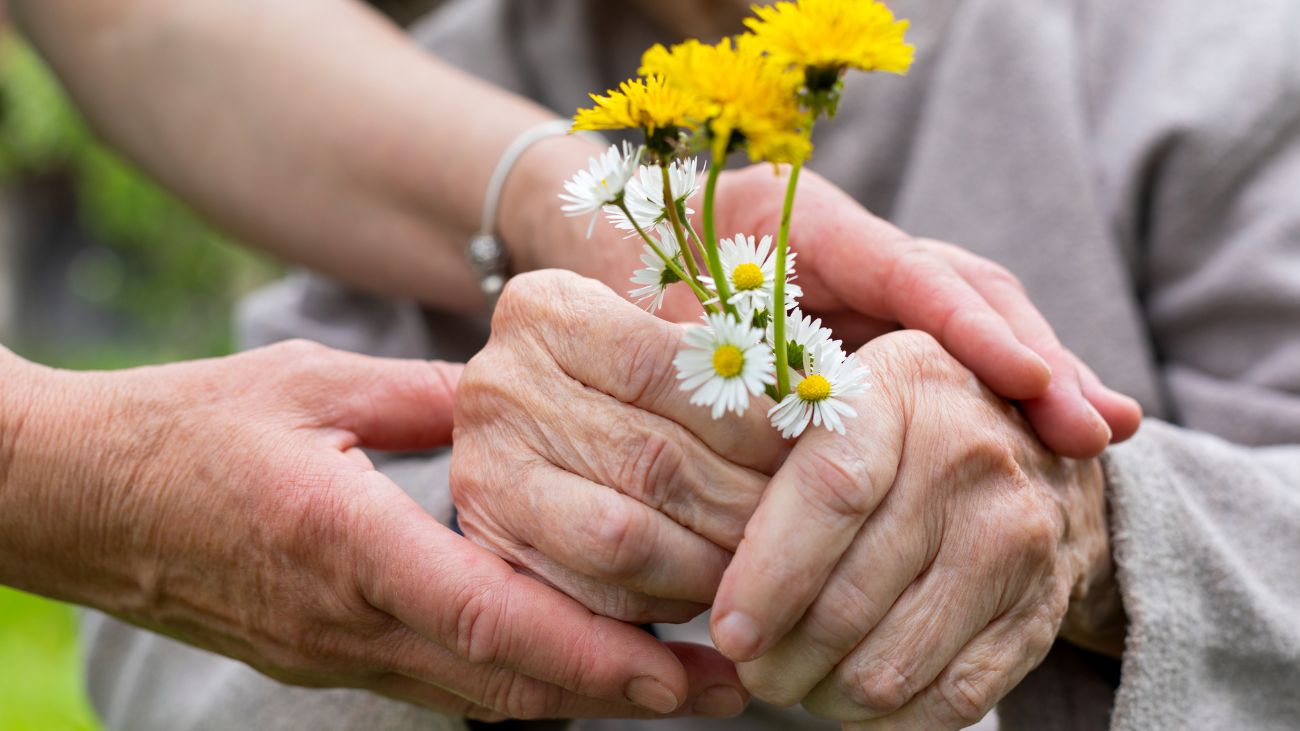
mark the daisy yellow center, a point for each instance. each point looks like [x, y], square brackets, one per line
[728, 360]
[814, 388]
[747, 276]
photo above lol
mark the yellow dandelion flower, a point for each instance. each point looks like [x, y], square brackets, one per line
[780, 147]
[648, 104]
[752, 94]
[833, 35]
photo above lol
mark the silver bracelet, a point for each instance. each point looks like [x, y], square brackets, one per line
[487, 255]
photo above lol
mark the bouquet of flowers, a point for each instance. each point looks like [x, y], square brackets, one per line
[762, 92]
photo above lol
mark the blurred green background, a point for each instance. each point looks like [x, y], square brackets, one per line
[99, 269]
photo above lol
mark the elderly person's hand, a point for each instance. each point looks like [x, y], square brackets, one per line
[226, 503]
[580, 460]
[914, 570]
[864, 277]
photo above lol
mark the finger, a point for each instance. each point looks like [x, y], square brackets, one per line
[609, 344]
[897, 278]
[426, 672]
[811, 511]
[908, 649]
[392, 404]
[655, 461]
[1062, 416]
[982, 673]
[853, 328]
[420, 693]
[1066, 422]
[894, 546]
[360, 457]
[610, 537]
[1122, 413]
[472, 603]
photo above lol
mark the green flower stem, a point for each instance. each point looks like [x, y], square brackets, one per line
[700, 293]
[688, 255]
[778, 287]
[694, 235]
[710, 229]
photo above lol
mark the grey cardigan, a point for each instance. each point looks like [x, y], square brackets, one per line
[1137, 165]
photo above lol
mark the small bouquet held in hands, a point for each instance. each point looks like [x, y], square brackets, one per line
[762, 92]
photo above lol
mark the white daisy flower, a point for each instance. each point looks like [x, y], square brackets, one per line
[803, 335]
[656, 277]
[725, 363]
[644, 195]
[602, 183]
[750, 269]
[831, 376]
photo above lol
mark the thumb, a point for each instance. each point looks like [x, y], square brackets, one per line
[398, 404]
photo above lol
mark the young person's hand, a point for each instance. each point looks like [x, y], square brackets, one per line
[226, 503]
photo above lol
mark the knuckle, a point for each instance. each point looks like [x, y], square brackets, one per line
[1041, 626]
[914, 352]
[880, 687]
[301, 348]
[965, 700]
[528, 287]
[644, 365]
[651, 466]
[838, 620]
[913, 269]
[999, 276]
[1031, 528]
[479, 611]
[550, 297]
[837, 482]
[483, 392]
[621, 541]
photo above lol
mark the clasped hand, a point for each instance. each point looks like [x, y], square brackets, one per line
[911, 571]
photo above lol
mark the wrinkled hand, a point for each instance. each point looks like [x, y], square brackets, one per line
[579, 459]
[228, 505]
[913, 571]
[863, 276]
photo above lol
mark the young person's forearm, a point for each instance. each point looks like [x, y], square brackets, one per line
[314, 130]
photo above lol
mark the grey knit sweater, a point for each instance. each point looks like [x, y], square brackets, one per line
[1137, 165]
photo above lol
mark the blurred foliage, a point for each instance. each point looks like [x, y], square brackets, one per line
[40, 674]
[174, 277]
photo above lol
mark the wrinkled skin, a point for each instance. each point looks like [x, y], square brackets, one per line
[226, 503]
[865, 277]
[912, 572]
[938, 540]
[578, 459]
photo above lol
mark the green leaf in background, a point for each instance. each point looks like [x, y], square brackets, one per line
[40, 674]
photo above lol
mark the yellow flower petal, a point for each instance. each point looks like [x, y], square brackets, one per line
[752, 93]
[647, 104]
[828, 34]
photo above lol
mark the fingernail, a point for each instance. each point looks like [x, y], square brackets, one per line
[1043, 362]
[720, 701]
[737, 636]
[1101, 423]
[648, 692]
